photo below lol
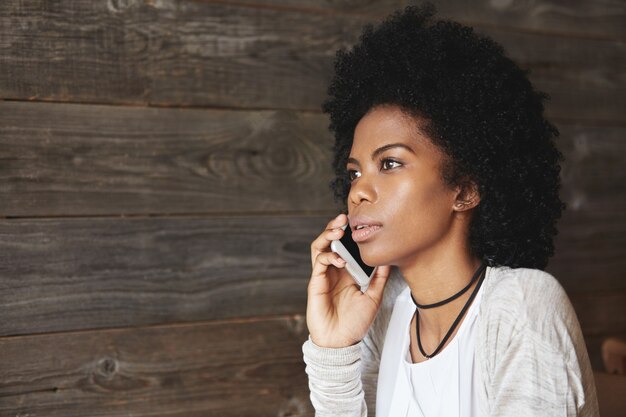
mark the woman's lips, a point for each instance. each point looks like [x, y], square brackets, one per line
[363, 234]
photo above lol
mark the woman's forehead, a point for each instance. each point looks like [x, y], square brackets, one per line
[388, 124]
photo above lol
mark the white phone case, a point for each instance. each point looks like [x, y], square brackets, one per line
[352, 266]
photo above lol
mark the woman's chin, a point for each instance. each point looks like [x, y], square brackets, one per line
[374, 260]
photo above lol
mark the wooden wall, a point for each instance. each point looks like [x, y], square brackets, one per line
[164, 167]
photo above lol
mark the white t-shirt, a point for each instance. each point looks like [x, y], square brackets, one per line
[440, 386]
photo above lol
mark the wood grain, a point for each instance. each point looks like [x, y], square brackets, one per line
[66, 159]
[69, 274]
[171, 53]
[594, 189]
[592, 173]
[61, 159]
[199, 369]
[590, 251]
[378, 8]
[179, 53]
[601, 313]
[251, 367]
[575, 18]
[575, 73]
[154, 260]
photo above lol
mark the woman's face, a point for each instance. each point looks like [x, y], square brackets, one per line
[397, 184]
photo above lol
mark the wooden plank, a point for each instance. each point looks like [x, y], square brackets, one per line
[66, 159]
[589, 252]
[578, 18]
[252, 367]
[576, 73]
[601, 313]
[199, 369]
[592, 173]
[68, 274]
[60, 159]
[594, 189]
[168, 53]
[378, 8]
[215, 54]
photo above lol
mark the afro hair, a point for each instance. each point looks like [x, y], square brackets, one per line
[479, 108]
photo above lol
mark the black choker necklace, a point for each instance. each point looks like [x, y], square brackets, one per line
[477, 274]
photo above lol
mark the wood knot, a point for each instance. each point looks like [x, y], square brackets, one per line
[117, 6]
[294, 406]
[106, 367]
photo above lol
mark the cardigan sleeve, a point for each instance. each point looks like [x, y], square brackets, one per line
[343, 381]
[335, 380]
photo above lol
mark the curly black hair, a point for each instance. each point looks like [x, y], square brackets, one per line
[480, 109]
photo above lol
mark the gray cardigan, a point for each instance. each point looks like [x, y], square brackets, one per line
[530, 353]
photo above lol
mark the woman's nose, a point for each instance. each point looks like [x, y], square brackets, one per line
[361, 190]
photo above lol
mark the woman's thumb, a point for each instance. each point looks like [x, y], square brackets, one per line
[377, 284]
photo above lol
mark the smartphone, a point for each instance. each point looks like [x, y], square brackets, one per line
[349, 251]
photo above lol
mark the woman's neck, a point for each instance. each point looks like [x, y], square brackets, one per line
[436, 276]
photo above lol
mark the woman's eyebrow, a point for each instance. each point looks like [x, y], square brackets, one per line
[383, 149]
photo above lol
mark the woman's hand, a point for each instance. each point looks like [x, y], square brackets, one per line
[338, 314]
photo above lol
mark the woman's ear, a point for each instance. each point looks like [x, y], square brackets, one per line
[467, 196]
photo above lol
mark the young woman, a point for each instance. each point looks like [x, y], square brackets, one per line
[450, 176]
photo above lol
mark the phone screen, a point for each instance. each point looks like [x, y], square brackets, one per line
[353, 248]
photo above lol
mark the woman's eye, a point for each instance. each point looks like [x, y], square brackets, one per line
[389, 164]
[386, 164]
[352, 174]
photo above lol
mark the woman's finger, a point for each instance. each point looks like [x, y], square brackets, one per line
[319, 282]
[332, 232]
[377, 284]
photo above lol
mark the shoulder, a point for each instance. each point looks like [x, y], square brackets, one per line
[524, 292]
[528, 301]
[531, 348]
[521, 289]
